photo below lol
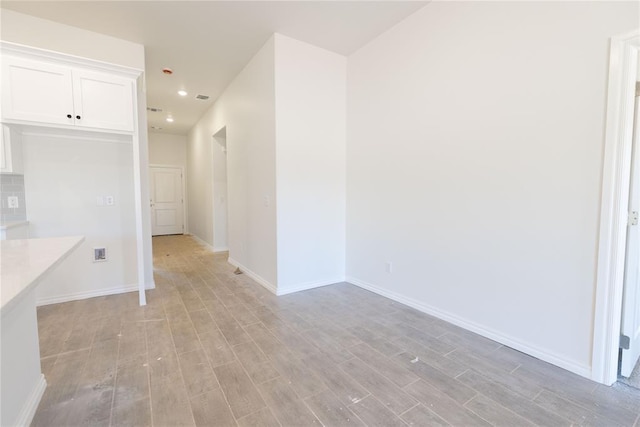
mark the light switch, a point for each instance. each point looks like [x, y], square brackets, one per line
[12, 201]
[99, 201]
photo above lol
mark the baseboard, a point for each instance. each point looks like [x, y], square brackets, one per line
[220, 250]
[89, 294]
[532, 350]
[202, 242]
[31, 404]
[264, 283]
[308, 285]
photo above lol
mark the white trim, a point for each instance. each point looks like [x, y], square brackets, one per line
[265, 283]
[308, 285]
[201, 242]
[220, 250]
[91, 294]
[31, 404]
[67, 132]
[65, 58]
[540, 353]
[614, 206]
[139, 114]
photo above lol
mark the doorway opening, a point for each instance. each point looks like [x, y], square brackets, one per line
[616, 296]
[220, 192]
[629, 359]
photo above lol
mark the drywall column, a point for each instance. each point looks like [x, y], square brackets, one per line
[310, 98]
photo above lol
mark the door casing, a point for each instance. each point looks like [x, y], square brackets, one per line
[623, 69]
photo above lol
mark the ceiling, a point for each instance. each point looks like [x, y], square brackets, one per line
[207, 43]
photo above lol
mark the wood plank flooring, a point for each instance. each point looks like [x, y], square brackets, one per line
[216, 349]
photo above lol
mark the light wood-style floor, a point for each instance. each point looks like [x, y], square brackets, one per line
[215, 349]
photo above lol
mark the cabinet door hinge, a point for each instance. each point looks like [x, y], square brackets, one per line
[633, 218]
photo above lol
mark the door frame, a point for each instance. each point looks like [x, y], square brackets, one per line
[215, 139]
[184, 194]
[616, 177]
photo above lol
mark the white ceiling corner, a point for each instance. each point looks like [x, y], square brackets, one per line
[207, 43]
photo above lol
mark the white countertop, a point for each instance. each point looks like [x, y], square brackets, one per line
[27, 260]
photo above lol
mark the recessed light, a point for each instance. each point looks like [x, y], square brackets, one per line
[170, 119]
[182, 93]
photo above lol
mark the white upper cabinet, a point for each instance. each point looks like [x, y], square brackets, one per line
[36, 91]
[47, 93]
[102, 101]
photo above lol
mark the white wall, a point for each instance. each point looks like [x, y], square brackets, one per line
[63, 178]
[474, 161]
[247, 110]
[310, 157]
[167, 149]
[31, 31]
[27, 30]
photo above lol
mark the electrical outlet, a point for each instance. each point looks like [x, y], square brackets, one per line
[109, 200]
[12, 201]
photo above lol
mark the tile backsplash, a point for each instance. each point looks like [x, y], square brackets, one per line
[12, 185]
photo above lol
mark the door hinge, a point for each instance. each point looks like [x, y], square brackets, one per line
[624, 342]
[633, 218]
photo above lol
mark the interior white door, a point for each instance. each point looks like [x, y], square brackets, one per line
[166, 201]
[630, 326]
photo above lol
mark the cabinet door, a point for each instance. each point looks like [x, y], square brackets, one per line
[36, 91]
[103, 101]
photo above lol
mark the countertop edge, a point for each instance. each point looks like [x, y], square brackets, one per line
[8, 305]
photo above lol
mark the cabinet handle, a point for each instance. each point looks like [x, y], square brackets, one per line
[69, 116]
[78, 117]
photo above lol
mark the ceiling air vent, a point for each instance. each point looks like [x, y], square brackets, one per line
[154, 109]
[202, 97]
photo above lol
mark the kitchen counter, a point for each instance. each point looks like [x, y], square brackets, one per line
[24, 262]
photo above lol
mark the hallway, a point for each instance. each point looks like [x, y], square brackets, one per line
[216, 349]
